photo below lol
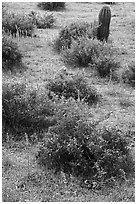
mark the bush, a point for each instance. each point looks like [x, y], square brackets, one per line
[88, 52]
[73, 85]
[105, 61]
[11, 56]
[128, 75]
[17, 24]
[43, 21]
[75, 147]
[82, 52]
[73, 32]
[25, 111]
[52, 6]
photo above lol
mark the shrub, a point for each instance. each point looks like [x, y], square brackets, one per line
[52, 6]
[11, 56]
[76, 147]
[88, 52]
[82, 52]
[43, 21]
[14, 24]
[73, 85]
[73, 32]
[128, 75]
[105, 61]
[24, 110]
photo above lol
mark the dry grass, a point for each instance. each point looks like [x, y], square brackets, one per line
[43, 63]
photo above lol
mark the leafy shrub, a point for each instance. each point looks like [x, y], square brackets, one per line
[73, 32]
[43, 21]
[128, 75]
[82, 52]
[73, 85]
[11, 55]
[20, 24]
[88, 52]
[76, 147]
[52, 6]
[24, 110]
[105, 61]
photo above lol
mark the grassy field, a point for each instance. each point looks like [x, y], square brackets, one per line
[42, 62]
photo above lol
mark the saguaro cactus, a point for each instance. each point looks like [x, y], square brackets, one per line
[104, 23]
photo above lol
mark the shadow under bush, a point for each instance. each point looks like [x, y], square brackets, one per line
[73, 86]
[25, 111]
[77, 148]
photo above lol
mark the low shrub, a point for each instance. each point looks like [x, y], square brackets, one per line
[52, 6]
[73, 32]
[11, 56]
[82, 52]
[17, 24]
[76, 147]
[73, 85]
[128, 75]
[42, 21]
[105, 62]
[24, 110]
[92, 53]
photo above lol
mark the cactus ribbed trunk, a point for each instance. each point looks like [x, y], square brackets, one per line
[104, 23]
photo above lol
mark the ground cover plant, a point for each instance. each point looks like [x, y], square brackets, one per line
[68, 133]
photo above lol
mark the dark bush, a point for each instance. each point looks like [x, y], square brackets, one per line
[24, 110]
[73, 32]
[74, 146]
[11, 56]
[52, 6]
[73, 85]
[128, 75]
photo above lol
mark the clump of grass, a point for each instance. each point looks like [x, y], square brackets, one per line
[52, 6]
[11, 56]
[73, 32]
[24, 110]
[77, 148]
[128, 75]
[73, 86]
